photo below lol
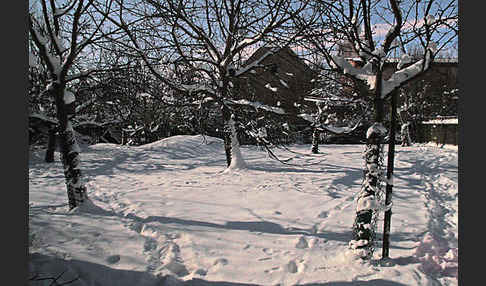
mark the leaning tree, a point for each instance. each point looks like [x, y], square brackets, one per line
[368, 31]
[60, 32]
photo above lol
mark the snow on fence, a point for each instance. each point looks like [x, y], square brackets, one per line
[441, 130]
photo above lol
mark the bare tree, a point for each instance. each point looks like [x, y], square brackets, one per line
[209, 39]
[354, 26]
[60, 33]
[340, 109]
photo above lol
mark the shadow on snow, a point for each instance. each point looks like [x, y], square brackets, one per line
[84, 272]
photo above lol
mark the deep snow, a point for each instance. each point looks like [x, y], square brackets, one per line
[166, 213]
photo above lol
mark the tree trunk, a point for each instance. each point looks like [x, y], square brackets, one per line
[389, 177]
[76, 190]
[366, 211]
[315, 141]
[237, 161]
[51, 145]
[227, 133]
[405, 134]
[364, 226]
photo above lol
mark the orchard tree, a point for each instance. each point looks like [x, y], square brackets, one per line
[60, 31]
[209, 39]
[356, 26]
[40, 106]
[340, 109]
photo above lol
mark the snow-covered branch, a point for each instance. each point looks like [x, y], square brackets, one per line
[81, 74]
[256, 63]
[84, 105]
[400, 77]
[57, 31]
[364, 74]
[256, 105]
[42, 44]
[332, 129]
[196, 88]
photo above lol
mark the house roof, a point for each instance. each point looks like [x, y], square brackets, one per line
[440, 61]
[284, 86]
[442, 120]
[263, 52]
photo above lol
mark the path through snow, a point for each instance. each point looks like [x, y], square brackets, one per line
[166, 211]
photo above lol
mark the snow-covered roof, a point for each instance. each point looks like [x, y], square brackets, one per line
[356, 59]
[257, 105]
[440, 61]
[442, 121]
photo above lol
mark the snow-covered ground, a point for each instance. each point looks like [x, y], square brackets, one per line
[166, 214]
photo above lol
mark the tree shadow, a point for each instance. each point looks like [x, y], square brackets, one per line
[290, 169]
[201, 282]
[85, 273]
[262, 226]
[48, 209]
[43, 207]
[88, 273]
[251, 226]
[404, 260]
[374, 282]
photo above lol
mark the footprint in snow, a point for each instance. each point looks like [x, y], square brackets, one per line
[201, 272]
[267, 251]
[135, 226]
[112, 259]
[291, 267]
[302, 243]
[316, 228]
[150, 245]
[169, 256]
[323, 214]
[177, 268]
[221, 261]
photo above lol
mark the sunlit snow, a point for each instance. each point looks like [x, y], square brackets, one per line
[165, 213]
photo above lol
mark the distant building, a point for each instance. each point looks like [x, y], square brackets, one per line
[277, 77]
[430, 97]
[443, 67]
[281, 79]
[442, 130]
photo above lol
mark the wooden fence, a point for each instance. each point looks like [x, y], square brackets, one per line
[438, 131]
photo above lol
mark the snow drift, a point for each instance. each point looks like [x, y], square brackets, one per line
[166, 214]
[183, 146]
